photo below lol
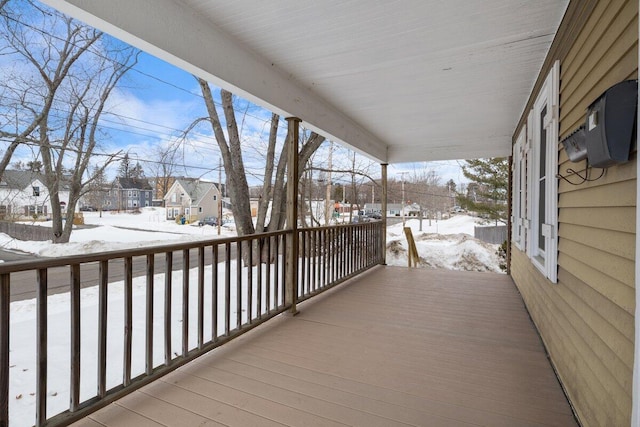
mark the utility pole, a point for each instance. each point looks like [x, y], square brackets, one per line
[327, 205]
[402, 177]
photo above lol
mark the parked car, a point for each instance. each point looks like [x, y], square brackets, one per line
[208, 220]
[87, 209]
[374, 215]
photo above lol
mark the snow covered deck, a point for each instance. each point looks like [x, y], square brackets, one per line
[393, 346]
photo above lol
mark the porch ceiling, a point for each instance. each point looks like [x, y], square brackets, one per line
[397, 80]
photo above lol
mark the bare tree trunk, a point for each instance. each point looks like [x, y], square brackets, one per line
[266, 195]
[237, 186]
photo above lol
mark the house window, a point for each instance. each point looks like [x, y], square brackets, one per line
[36, 191]
[174, 197]
[129, 193]
[543, 195]
[135, 193]
[215, 197]
[200, 209]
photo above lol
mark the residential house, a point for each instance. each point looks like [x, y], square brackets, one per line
[23, 193]
[128, 194]
[574, 250]
[429, 81]
[193, 199]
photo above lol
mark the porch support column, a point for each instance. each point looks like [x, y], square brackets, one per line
[291, 281]
[383, 214]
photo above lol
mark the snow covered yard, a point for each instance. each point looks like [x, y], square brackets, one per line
[445, 244]
[114, 231]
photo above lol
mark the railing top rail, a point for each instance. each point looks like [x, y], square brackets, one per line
[37, 264]
[324, 227]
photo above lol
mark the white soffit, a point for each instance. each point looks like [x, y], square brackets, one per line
[401, 81]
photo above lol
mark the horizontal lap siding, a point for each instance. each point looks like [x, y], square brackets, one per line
[586, 319]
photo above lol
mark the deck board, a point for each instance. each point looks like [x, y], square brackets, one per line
[392, 347]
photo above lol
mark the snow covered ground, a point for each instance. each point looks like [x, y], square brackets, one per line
[115, 231]
[443, 244]
[447, 244]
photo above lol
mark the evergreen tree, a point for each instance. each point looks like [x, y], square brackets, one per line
[137, 172]
[487, 193]
[34, 166]
[125, 167]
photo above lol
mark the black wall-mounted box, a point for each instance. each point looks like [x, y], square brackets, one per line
[611, 125]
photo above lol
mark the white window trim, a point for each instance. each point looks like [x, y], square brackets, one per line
[517, 191]
[547, 261]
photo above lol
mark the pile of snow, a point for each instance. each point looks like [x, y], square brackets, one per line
[447, 244]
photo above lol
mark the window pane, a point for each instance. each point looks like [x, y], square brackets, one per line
[541, 213]
[543, 144]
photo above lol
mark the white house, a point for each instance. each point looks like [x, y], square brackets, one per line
[23, 193]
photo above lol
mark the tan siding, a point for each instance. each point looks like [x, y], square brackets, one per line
[578, 356]
[617, 194]
[613, 242]
[619, 293]
[586, 319]
[608, 56]
[601, 217]
[617, 268]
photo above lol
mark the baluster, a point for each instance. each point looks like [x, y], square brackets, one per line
[250, 282]
[185, 302]
[149, 315]
[74, 391]
[227, 286]
[214, 293]
[239, 285]
[103, 273]
[5, 299]
[200, 297]
[41, 347]
[168, 273]
[128, 319]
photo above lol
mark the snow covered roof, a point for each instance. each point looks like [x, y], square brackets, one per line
[133, 183]
[195, 188]
[19, 179]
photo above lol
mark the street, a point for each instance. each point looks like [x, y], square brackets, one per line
[23, 284]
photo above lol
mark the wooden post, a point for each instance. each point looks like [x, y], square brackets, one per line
[383, 238]
[509, 213]
[5, 283]
[291, 281]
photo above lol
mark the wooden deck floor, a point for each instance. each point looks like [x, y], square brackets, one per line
[391, 347]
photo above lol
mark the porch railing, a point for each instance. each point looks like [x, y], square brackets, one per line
[172, 304]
